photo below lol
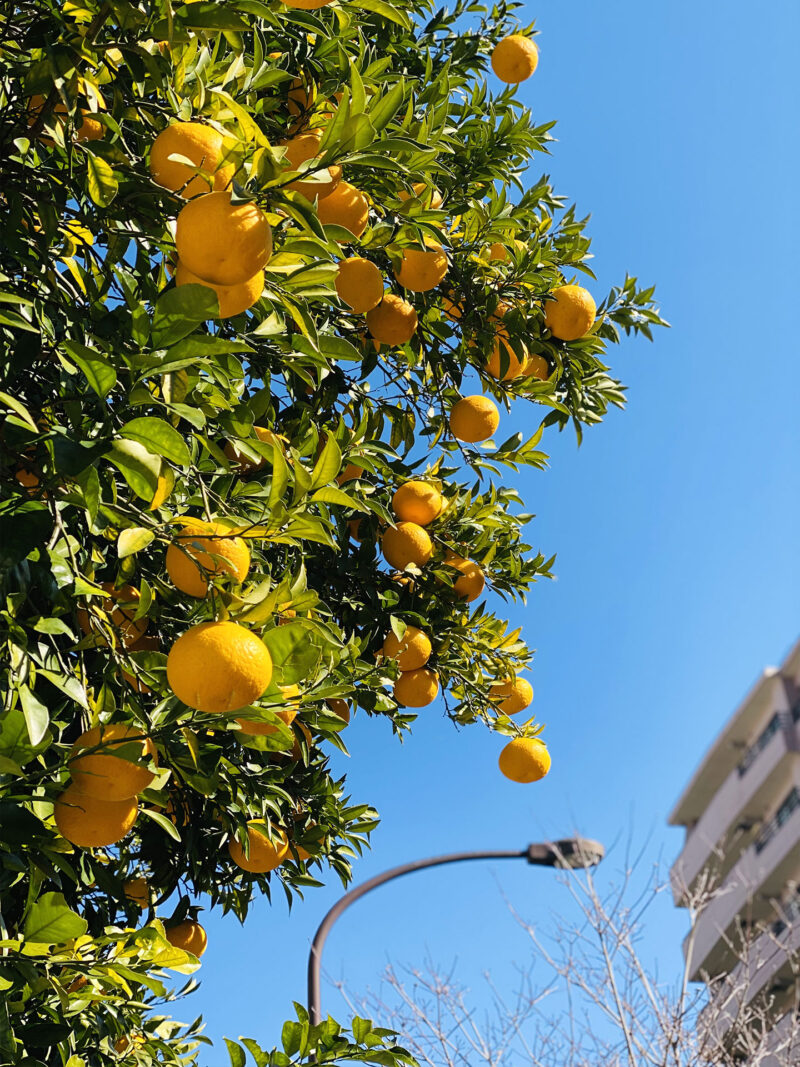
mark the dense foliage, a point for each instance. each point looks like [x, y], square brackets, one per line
[130, 405]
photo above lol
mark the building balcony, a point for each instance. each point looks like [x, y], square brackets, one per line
[758, 878]
[737, 810]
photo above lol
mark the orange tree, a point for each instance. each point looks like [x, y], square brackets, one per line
[270, 281]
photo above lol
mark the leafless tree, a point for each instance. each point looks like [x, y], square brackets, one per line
[602, 1003]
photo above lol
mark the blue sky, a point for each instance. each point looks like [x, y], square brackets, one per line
[675, 523]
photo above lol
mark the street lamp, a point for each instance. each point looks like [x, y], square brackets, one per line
[570, 854]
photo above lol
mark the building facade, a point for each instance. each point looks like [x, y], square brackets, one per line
[740, 860]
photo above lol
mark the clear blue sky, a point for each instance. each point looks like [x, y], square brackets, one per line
[676, 524]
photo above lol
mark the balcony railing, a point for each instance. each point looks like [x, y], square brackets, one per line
[761, 742]
[771, 828]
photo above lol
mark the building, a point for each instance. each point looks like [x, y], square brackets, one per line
[741, 811]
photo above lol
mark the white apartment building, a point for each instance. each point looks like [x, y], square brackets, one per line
[741, 811]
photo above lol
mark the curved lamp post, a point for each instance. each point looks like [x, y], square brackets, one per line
[569, 854]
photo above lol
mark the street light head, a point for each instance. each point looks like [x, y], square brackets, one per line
[572, 853]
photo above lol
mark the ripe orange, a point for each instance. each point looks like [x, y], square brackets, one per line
[422, 269]
[188, 936]
[450, 308]
[201, 144]
[502, 354]
[354, 530]
[393, 321]
[264, 855]
[233, 299]
[417, 501]
[537, 366]
[525, 759]
[92, 823]
[138, 890]
[221, 242]
[301, 149]
[359, 284]
[469, 585]
[345, 206]
[406, 543]
[26, 478]
[571, 313]
[286, 714]
[416, 689]
[235, 454]
[86, 128]
[474, 418]
[121, 605]
[193, 557]
[351, 472]
[431, 198]
[515, 58]
[512, 696]
[411, 652]
[340, 707]
[299, 101]
[218, 667]
[102, 774]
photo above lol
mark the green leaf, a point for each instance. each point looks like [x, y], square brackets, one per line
[292, 1036]
[36, 714]
[139, 467]
[294, 656]
[180, 311]
[256, 1051]
[159, 438]
[23, 528]
[237, 1054]
[328, 465]
[102, 182]
[20, 409]
[387, 105]
[96, 368]
[329, 494]
[162, 821]
[133, 540]
[51, 922]
[393, 14]
[15, 740]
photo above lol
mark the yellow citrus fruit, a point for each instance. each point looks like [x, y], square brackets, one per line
[138, 890]
[416, 689]
[504, 354]
[120, 605]
[86, 128]
[354, 530]
[512, 696]
[201, 144]
[474, 418]
[431, 198]
[498, 251]
[301, 149]
[359, 284]
[218, 667]
[299, 101]
[340, 707]
[451, 309]
[393, 321]
[422, 269]
[515, 58]
[471, 581]
[221, 242]
[264, 855]
[104, 775]
[406, 543]
[287, 715]
[571, 313]
[411, 652]
[202, 549]
[26, 478]
[345, 206]
[536, 366]
[235, 454]
[351, 472]
[188, 936]
[525, 759]
[418, 502]
[233, 299]
[92, 823]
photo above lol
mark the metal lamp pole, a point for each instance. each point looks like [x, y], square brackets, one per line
[571, 853]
